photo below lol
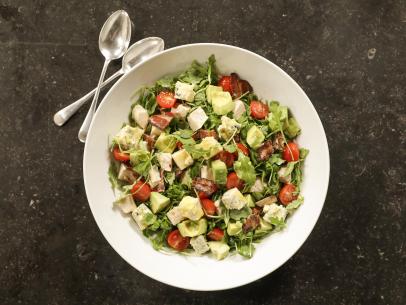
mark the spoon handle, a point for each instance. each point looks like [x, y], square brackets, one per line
[63, 115]
[89, 117]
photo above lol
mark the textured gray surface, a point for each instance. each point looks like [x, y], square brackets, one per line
[51, 249]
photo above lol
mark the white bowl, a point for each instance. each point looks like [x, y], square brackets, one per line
[205, 273]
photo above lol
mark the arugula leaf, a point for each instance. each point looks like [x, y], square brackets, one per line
[291, 128]
[184, 136]
[231, 148]
[196, 153]
[166, 82]
[244, 169]
[303, 152]
[245, 246]
[146, 98]
[276, 159]
[113, 173]
[141, 162]
[278, 223]
[238, 214]
[295, 204]
[175, 192]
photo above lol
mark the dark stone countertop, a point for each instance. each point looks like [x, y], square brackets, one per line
[349, 57]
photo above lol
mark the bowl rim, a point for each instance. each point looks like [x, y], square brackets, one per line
[324, 141]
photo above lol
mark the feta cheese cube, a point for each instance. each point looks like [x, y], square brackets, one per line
[140, 116]
[283, 176]
[154, 176]
[143, 216]
[182, 159]
[197, 118]
[175, 216]
[233, 199]
[184, 91]
[274, 211]
[257, 187]
[126, 174]
[239, 109]
[155, 131]
[228, 128]
[165, 161]
[126, 204]
[199, 244]
[206, 173]
[181, 111]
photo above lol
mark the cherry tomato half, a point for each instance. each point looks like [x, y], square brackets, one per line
[216, 234]
[259, 110]
[291, 152]
[243, 149]
[177, 241]
[166, 99]
[141, 191]
[233, 181]
[227, 157]
[120, 156]
[208, 206]
[225, 83]
[286, 194]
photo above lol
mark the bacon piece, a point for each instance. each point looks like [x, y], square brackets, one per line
[203, 133]
[150, 141]
[265, 151]
[204, 185]
[251, 223]
[256, 210]
[160, 120]
[239, 86]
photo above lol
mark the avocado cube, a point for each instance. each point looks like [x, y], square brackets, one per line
[189, 228]
[255, 137]
[222, 103]
[166, 143]
[234, 228]
[158, 202]
[182, 159]
[219, 170]
[211, 145]
[219, 249]
[190, 208]
[210, 90]
[250, 201]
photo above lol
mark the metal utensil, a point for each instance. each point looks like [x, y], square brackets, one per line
[114, 39]
[136, 53]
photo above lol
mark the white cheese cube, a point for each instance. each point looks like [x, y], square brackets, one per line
[128, 137]
[233, 199]
[274, 211]
[257, 187]
[239, 109]
[184, 91]
[182, 159]
[181, 111]
[199, 244]
[282, 175]
[126, 174]
[175, 216]
[197, 118]
[140, 116]
[165, 161]
[126, 204]
[155, 131]
[154, 176]
[228, 127]
[143, 216]
[206, 173]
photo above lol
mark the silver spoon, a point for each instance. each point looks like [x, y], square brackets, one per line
[114, 39]
[136, 53]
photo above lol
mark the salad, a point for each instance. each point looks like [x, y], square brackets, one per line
[204, 166]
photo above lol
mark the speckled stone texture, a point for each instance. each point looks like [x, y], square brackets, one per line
[349, 57]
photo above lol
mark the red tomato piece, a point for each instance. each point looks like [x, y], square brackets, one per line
[225, 83]
[177, 241]
[243, 149]
[233, 181]
[202, 195]
[120, 156]
[291, 152]
[209, 206]
[166, 99]
[141, 191]
[216, 234]
[287, 194]
[227, 157]
[259, 110]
